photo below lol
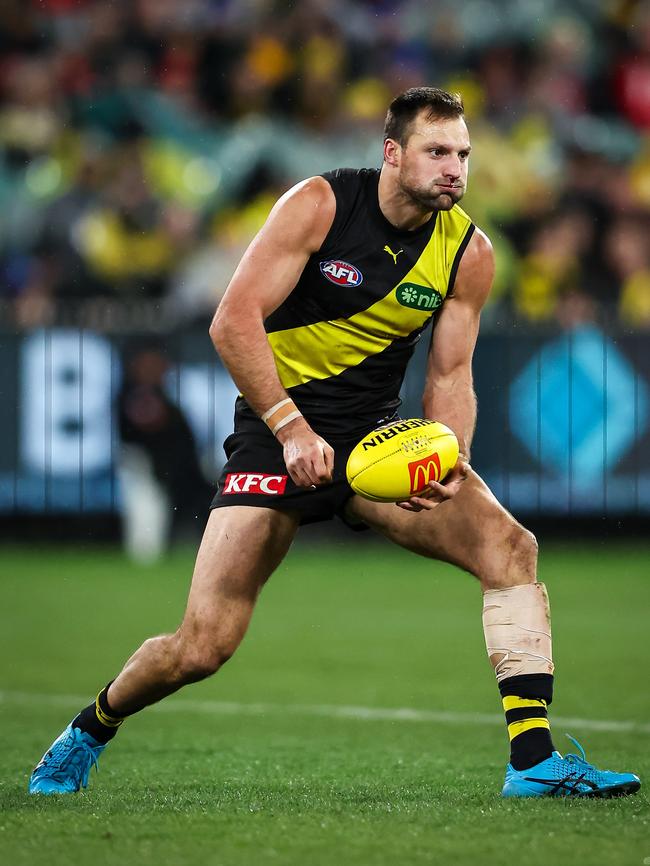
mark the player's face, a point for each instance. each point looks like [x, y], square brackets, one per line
[434, 162]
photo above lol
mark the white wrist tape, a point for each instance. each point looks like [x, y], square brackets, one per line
[281, 414]
[291, 417]
[274, 409]
[517, 628]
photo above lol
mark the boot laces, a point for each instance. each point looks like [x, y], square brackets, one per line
[576, 759]
[72, 759]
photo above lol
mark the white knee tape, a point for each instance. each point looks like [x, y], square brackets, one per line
[517, 628]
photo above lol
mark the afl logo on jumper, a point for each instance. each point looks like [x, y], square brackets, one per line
[341, 273]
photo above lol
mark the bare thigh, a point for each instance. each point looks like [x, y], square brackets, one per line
[472, 530]
[241, 547]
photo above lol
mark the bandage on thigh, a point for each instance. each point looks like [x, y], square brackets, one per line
[517, 628]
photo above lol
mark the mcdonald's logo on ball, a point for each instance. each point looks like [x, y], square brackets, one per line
[421, 472]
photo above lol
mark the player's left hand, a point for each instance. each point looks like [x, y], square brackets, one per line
[435, 492]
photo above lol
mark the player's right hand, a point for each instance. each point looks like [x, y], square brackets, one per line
[308, 457]
[435, 492]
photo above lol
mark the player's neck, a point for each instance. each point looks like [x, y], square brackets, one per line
[400, 210]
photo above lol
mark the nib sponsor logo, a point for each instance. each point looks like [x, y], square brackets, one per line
[423, 471]
[254, 482]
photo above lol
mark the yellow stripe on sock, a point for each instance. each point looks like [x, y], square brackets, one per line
[512, 702]
[516, 728]
[105, 719]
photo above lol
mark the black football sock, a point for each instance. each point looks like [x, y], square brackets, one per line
[98, 719]
[525, 699]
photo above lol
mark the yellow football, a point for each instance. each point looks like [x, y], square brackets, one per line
[398, 460]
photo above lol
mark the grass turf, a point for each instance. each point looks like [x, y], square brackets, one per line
[261, 776]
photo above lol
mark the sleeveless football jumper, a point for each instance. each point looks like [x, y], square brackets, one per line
[343, 337]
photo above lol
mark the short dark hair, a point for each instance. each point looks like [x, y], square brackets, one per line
[405, 107]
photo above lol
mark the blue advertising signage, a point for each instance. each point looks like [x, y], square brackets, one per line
[563, 425]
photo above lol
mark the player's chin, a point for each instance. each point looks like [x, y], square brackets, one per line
[446, 200]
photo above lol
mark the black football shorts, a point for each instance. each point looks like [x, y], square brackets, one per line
[255, 474]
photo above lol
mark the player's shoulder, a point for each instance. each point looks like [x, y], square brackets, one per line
[478, 244]
[313, 209]
[476, 268]
[349, 176]
[479, 247]
[327, 189]
[352, 185]
[465, 223]
[305, 211]
[307, 192]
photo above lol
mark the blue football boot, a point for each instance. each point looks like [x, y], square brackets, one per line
[568, 776]
[64, 768]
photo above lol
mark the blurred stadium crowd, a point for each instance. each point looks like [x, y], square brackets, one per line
[142, 143]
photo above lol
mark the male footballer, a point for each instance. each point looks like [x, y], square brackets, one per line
[316, 328]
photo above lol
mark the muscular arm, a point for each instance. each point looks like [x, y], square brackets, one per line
[267, 273]
[448, 391]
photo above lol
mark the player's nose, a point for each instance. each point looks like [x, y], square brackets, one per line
[452, 168]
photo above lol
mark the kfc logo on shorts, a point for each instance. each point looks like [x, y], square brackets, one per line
[254, 482]
[423, 471]
[341, 273]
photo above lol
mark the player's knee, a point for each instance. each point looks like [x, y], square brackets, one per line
[198, 660]
[522, 559]
[200, 664]
[519, 564]
[527, 547]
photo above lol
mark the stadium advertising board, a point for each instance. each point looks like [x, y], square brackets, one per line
[564, 419]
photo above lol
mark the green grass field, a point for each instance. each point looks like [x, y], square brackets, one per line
[279, 759]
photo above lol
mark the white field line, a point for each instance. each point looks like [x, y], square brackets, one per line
[327, 711]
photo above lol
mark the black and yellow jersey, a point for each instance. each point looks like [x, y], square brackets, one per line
[343, 337]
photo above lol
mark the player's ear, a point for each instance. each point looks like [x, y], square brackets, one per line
[392, 152]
